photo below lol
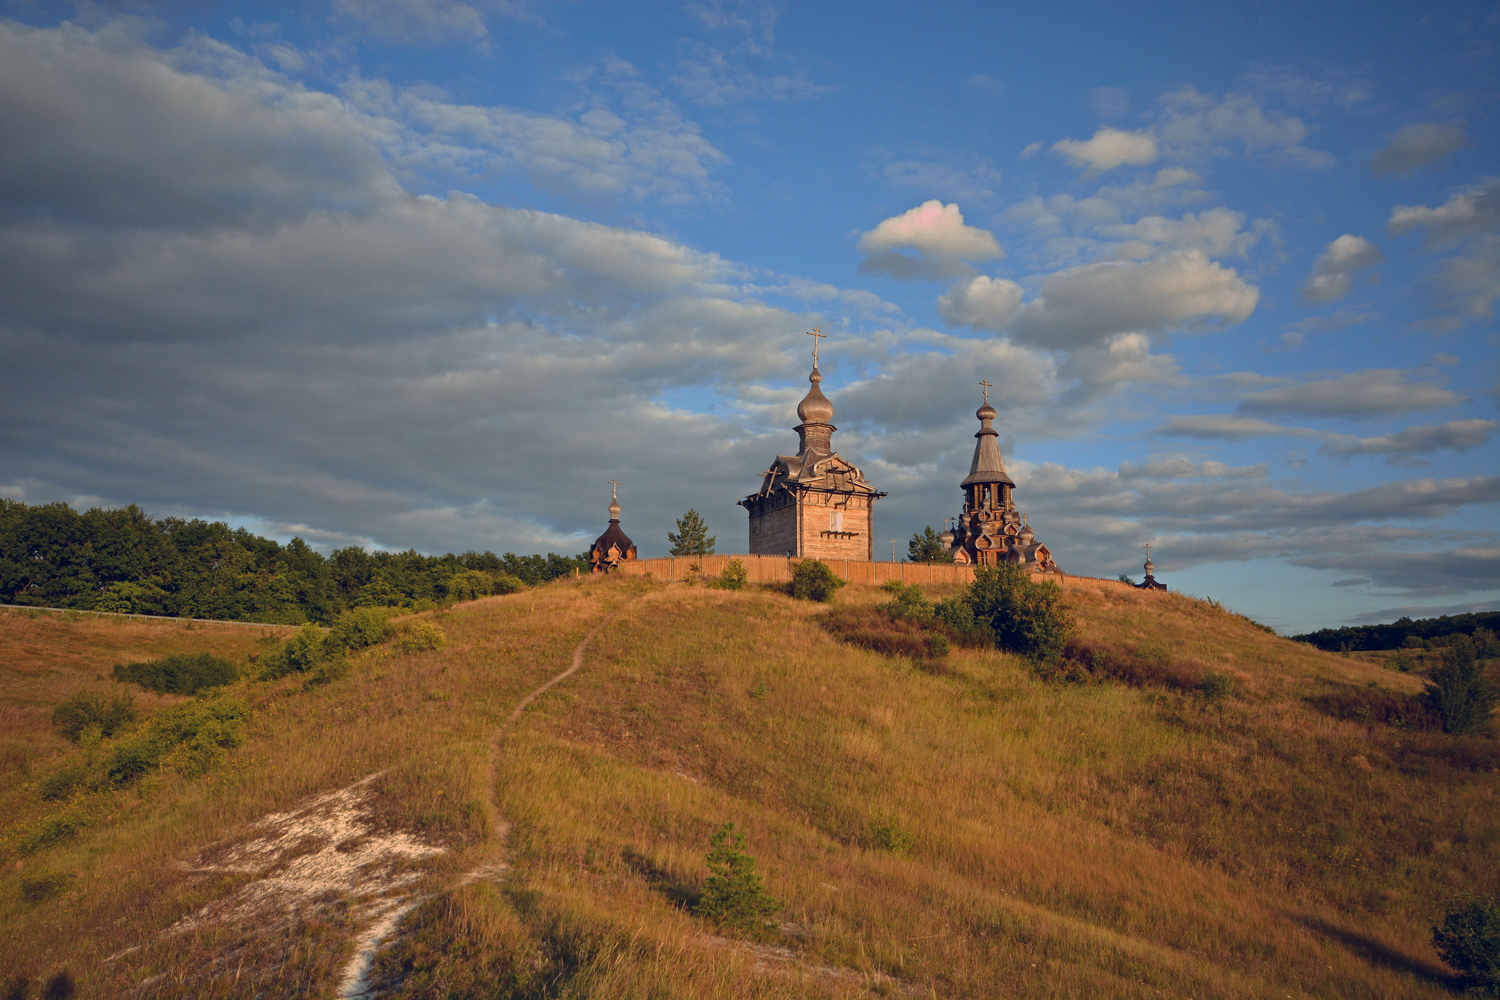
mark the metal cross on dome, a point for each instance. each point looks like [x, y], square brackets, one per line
[816, 334]
[614, 490]
[986, 385]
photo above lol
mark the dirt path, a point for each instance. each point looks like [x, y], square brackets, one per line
[354, 978]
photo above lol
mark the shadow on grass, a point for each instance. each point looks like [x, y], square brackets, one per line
[1377, 952]
[681, 894]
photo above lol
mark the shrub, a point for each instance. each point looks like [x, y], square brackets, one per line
[421, 636]
[180, 673]
[812, 580]
[470, 585]
[957, 615]
[1026, 617]
[887, 834]
[1216, 685]
[60, 783]
[732, 577]
[1469, 941]
[907, 601]
[1457, 688]
[1361, 704]
[86, 710]
[196, 733]
[732, 894]
[297, 655]
[359, 628]
[53, 830]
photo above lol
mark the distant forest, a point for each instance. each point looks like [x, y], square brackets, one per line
[1394, 635]
[123, 560]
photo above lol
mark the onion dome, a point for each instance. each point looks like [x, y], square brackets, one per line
[1150, 567]
[815, 407]
[987, 466]
[1025, 534]
[614, 545]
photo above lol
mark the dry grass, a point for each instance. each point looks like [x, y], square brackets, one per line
[978, 833]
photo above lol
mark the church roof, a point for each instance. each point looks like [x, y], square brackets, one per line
[987, 467]
[613, 535]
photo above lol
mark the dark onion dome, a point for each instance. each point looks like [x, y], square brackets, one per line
[815, 407]
[987, 466]
[614, 538]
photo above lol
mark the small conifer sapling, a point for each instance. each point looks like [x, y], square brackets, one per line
[733, 895]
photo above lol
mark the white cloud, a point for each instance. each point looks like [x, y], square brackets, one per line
[1418, 145]
[1178, 290]
[1108, 149]
[1466, 213]
[1372, 392]
[937, 232]
[1217, 232]
[1123, 359]
[426, 21]
[1190, 124]
[1330, 277]
[981, 302]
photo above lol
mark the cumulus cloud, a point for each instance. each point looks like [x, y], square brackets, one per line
[1466, 213]
[981, 302]
[1330, 277]
[1108, 149]
[1125, 358]
[1179, 290]
[939, 236]
[1368, 393]
[1416, 146]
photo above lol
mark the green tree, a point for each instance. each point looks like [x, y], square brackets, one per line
[927, 547]
[1457, 688]
[691, 538]
[1469, 941]
[1026, 617]
[733, 895]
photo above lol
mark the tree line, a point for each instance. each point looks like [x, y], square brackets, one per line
[1394, 635]
[124, 560]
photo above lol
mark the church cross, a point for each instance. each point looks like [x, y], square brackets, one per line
[614, 490]
[816, 334]
[1148, 551]
[986, 391]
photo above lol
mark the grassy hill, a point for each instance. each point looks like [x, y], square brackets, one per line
[960, 830]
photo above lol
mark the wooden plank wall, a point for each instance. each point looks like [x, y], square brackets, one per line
[774, 569]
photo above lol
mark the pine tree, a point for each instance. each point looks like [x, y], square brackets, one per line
[691, 538]
[927, 546]
[732, 894]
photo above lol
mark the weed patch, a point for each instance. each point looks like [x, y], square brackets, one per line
[195, 735]
[45, 886]
[86, 710]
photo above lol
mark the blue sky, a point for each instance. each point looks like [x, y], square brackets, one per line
[429, 273]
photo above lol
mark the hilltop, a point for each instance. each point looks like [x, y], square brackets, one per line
[961, 828]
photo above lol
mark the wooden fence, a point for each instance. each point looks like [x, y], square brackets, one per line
[774, 569]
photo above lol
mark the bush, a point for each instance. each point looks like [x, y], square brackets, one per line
[1215, 685]
[196, 734]
[812, 580]
[876, 629]
[1469, 941]
[298, 654]
[470, 585]
[359, 628]
[421, 636]
[1458, 690]
[53, 830]
[180, 673]
[1026, 617]
[732, 577]
[86, 710]
[60, 783]
[887, 834]
[732, 894]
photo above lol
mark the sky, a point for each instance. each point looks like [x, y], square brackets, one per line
[429, 273]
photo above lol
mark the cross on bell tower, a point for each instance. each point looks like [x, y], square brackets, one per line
[816, 334]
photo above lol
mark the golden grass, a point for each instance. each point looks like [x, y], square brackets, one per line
[1089, 840]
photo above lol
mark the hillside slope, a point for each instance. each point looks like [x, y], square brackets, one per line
[967, 832]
